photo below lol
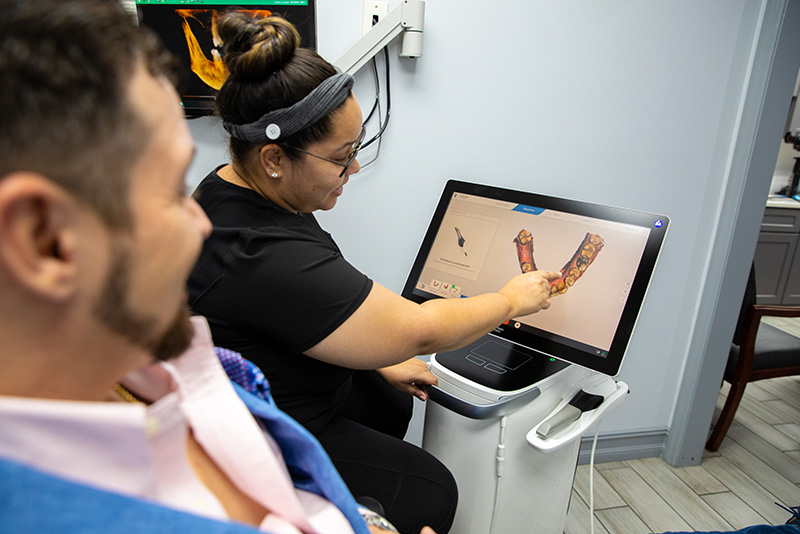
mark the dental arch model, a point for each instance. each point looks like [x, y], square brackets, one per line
[584, 256]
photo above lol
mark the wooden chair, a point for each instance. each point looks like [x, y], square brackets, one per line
[759, 351]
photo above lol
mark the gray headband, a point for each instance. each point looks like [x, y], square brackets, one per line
[326, 97]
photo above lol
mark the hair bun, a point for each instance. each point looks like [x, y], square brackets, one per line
[254, 47]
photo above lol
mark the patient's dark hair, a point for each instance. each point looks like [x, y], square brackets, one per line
[65, 107]
[267, 71]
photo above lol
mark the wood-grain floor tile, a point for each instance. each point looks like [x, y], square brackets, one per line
[734, 510]
[770, 433]
[698, 479]
[604, 495]
[792, 431]
[578, 519]
[758, 498]
[680, 497]
[610, 465]
[761, 392]
[761, 460]
[654, 511]
[786, 389]
[621, 521]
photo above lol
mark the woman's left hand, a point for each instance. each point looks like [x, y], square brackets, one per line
[411, 376]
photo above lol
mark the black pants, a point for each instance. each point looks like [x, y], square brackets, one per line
[365, 443]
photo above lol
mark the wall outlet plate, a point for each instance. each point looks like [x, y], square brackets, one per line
[374, 11]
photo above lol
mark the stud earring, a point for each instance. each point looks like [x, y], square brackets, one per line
[274, 174]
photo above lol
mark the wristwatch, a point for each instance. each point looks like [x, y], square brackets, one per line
[376, 520]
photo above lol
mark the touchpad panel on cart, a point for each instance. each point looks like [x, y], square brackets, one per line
[500, 365]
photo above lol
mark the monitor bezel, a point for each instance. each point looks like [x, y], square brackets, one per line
[546, 343]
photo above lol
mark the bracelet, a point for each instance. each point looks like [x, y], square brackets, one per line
[376, 520]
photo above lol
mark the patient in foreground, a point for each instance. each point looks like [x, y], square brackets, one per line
[116, 413]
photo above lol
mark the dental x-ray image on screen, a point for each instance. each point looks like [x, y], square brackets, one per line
[481, 236]
[188, 29]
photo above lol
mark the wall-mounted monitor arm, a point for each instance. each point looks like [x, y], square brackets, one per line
[406, 20]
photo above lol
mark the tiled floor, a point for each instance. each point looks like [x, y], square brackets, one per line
[737, 486]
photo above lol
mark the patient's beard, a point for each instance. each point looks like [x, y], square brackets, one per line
[113, 309]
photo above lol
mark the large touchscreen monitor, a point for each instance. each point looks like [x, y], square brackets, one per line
[481, 236]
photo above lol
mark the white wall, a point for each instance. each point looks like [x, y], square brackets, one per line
[617, 102]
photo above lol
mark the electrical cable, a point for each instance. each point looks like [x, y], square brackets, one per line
[388, 102]
[382, 123]
[376, 105]
[377, 102]
[501, 459]
[591, 479]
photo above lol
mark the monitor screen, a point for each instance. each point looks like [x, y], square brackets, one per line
[188, 30]
[481, 236]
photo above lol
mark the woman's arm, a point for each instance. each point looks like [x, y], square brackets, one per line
[387, 328]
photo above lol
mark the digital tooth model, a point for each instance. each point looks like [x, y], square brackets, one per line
[572, 271]
[577, 265]
[524, 242]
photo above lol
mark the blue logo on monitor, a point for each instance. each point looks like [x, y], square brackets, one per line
[659, 223]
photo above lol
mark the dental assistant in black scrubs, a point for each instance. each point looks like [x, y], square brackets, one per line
[337, 347]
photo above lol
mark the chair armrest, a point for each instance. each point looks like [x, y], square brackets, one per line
[763, 310]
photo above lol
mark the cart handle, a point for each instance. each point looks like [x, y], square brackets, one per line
[500, 408]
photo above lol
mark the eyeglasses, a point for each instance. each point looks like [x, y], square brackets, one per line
[349, 158]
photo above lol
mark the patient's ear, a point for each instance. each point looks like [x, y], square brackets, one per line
[38, 235]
